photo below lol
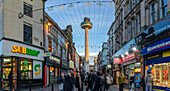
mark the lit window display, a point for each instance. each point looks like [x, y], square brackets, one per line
[51, 74]
[26, 68]
[160, 73]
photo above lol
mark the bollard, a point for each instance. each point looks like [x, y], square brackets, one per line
[30, 86]
[52, 87]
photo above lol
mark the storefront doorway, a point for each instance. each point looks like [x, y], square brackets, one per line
[8, 73]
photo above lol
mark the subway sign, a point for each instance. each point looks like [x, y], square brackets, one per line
[23, 50]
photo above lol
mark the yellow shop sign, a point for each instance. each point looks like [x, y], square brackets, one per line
[23, 50]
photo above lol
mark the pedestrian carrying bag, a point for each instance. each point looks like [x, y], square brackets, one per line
[61, 86]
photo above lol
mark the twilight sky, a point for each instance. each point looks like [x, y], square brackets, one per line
[72, 12]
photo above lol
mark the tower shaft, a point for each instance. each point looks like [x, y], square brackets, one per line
[87, 48]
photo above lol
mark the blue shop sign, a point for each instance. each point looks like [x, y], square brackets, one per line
[160, 45]
[153, 32]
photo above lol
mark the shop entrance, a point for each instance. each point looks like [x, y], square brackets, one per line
[8, 73]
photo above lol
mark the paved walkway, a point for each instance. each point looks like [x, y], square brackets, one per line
[56, 88]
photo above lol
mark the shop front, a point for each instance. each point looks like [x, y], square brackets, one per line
[129, 66]
[65, 67]
[117, 70]
[52, 68]
[157, 60]
[21, 65]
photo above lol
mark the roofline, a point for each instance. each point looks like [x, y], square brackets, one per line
[55, 24]
[111, 27]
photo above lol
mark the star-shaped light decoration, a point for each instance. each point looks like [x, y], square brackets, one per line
[88, 4]
[111, 4]
[70, 5]
[60, 7]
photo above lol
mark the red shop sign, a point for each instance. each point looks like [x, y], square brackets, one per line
[117, 60]
[128, 57]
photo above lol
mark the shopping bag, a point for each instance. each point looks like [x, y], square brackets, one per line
[61, 86]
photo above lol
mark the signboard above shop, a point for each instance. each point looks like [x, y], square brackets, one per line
[11, 48]
[128, 57]
[160, 45]
[153, 32]
[54, 59]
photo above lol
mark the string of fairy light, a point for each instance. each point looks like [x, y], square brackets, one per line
[101, 14]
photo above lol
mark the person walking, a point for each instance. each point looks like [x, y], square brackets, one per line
[149, 81]
[78, 82]
[83, 80]
[143, 83]
[132, 82]
[61, 82]
[97, 82]
[121, 81]
[73, 78]
[108, 82]
[90, 81]
[68, 83]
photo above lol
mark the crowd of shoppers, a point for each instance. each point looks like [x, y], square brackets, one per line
[96, 81]
[93, 81]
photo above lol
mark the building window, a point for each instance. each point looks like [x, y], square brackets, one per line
[27, 34]
[138, 22]
[152, 13]
[163, 8]
[50, 45]
[133, 29]
[129, 32]
[28, 10]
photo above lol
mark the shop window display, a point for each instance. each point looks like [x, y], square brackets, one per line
[160, 73]
[51, 74]
[7, 73]
[26, 68]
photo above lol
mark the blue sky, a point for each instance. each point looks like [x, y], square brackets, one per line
[100, 13]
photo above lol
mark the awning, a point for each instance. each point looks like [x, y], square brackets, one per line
[117, 69]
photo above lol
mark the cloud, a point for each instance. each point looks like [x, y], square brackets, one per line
[90, 54]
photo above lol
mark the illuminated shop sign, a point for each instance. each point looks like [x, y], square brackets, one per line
[71, 64]
[117, 60]
[128, 57]
[160, 45]
[7, 60]
[23, 50]
[54, 59]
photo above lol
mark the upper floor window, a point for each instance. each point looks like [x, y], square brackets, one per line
[27, 34]
[163, 8]
[28, 10]
[152, 13]
[138, 22]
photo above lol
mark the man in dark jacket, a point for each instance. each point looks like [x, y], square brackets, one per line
[91, 80]
[68, 83]
[97, 82]
[61, 80]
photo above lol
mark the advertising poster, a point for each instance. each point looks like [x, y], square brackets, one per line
[165, 74]
[37, 69]
[137, 80]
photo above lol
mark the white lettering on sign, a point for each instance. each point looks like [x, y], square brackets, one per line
[158, 46]
[158, 31]
[54, 59]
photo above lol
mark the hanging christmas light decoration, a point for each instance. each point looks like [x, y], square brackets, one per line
[60, 7]
[88, 4]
